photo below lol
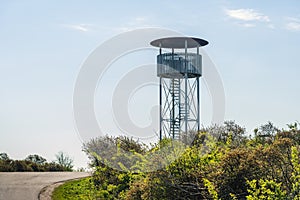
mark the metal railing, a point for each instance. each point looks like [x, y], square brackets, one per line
[174, 65]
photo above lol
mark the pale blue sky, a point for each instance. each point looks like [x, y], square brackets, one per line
[254, 44]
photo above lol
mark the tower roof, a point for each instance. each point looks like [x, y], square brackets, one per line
[178, 42]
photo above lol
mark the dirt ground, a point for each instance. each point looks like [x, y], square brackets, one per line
[46, 192]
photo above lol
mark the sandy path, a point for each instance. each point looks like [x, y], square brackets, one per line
[46, 192]
[27, 185]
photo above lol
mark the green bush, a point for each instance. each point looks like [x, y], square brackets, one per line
[82, 189]
[31, 163]
[221, 163]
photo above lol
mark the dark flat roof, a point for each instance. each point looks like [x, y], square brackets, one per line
[179, 42]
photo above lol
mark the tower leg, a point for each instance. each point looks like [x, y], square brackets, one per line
[198, 94]
[160, 109]
[186, 89]
[198, 104]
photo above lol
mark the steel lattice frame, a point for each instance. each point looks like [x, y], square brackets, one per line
[178, 116]
[179, 93]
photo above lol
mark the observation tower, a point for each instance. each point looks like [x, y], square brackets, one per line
[179, 68]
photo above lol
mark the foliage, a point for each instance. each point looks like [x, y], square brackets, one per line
[265, 190]
[221, 163]
[295, 178]
[226, 131]
[36, 159]
[32, 163]
[4, 157]
[211, 189]
[64, 160]
[82, 189]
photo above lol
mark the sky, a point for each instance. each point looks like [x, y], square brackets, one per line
[254, 45]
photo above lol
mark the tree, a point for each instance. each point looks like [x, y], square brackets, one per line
[5, 163]
[4, 156]
[64, 160]
[36, 159]
[266, 133]
[229, 129]
[21, 166]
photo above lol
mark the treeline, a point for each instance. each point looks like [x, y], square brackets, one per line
[222, 162]
[35, 163]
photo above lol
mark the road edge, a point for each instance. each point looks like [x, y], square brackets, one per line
[46, 192]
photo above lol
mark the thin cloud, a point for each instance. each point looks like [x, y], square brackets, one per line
[294, 19]
[247, 15]
[271, 26]
[134, 23]
[79, 27]
[293, 24]
[248, 25]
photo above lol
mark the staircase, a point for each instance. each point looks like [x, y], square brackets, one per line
[175, 105]
[178, 109]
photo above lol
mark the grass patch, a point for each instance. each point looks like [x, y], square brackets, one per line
[82, 189]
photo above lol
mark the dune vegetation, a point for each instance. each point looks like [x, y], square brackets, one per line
[221, 162]
[36, 163]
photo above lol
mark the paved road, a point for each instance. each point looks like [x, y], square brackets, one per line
[27, 185]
